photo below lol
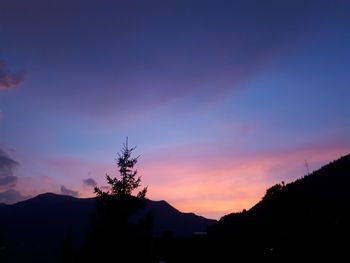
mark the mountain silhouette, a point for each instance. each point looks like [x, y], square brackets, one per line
[308, 218]
[39, 226]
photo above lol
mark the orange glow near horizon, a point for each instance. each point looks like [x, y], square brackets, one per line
[234, 186]
[210, 186]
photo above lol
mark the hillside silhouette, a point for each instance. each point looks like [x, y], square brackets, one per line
[308, 218]
[39, 226]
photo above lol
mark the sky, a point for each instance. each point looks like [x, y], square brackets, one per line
[223, 99]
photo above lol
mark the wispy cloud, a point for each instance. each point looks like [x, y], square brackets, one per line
[147, 66]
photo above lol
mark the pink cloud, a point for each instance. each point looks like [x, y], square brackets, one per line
[8, 80]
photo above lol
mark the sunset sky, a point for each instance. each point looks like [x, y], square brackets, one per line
[222, 98]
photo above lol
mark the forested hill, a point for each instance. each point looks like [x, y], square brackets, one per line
[309, 216]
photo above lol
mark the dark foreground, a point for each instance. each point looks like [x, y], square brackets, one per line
[304, 220]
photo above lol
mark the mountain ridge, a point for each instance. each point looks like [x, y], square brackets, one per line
[43, 222]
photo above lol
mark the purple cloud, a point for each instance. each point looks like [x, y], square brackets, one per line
[89, 182]
[9, 80]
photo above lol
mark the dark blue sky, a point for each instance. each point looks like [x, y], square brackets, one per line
[222, 98]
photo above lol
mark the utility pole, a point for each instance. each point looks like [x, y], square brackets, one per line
[307, 167]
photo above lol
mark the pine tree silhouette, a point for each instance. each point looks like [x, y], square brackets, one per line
[129, 180]
[111, 235]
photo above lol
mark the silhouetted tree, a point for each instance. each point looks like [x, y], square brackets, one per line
[129, 180]
[273, 190]
[111, 229]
